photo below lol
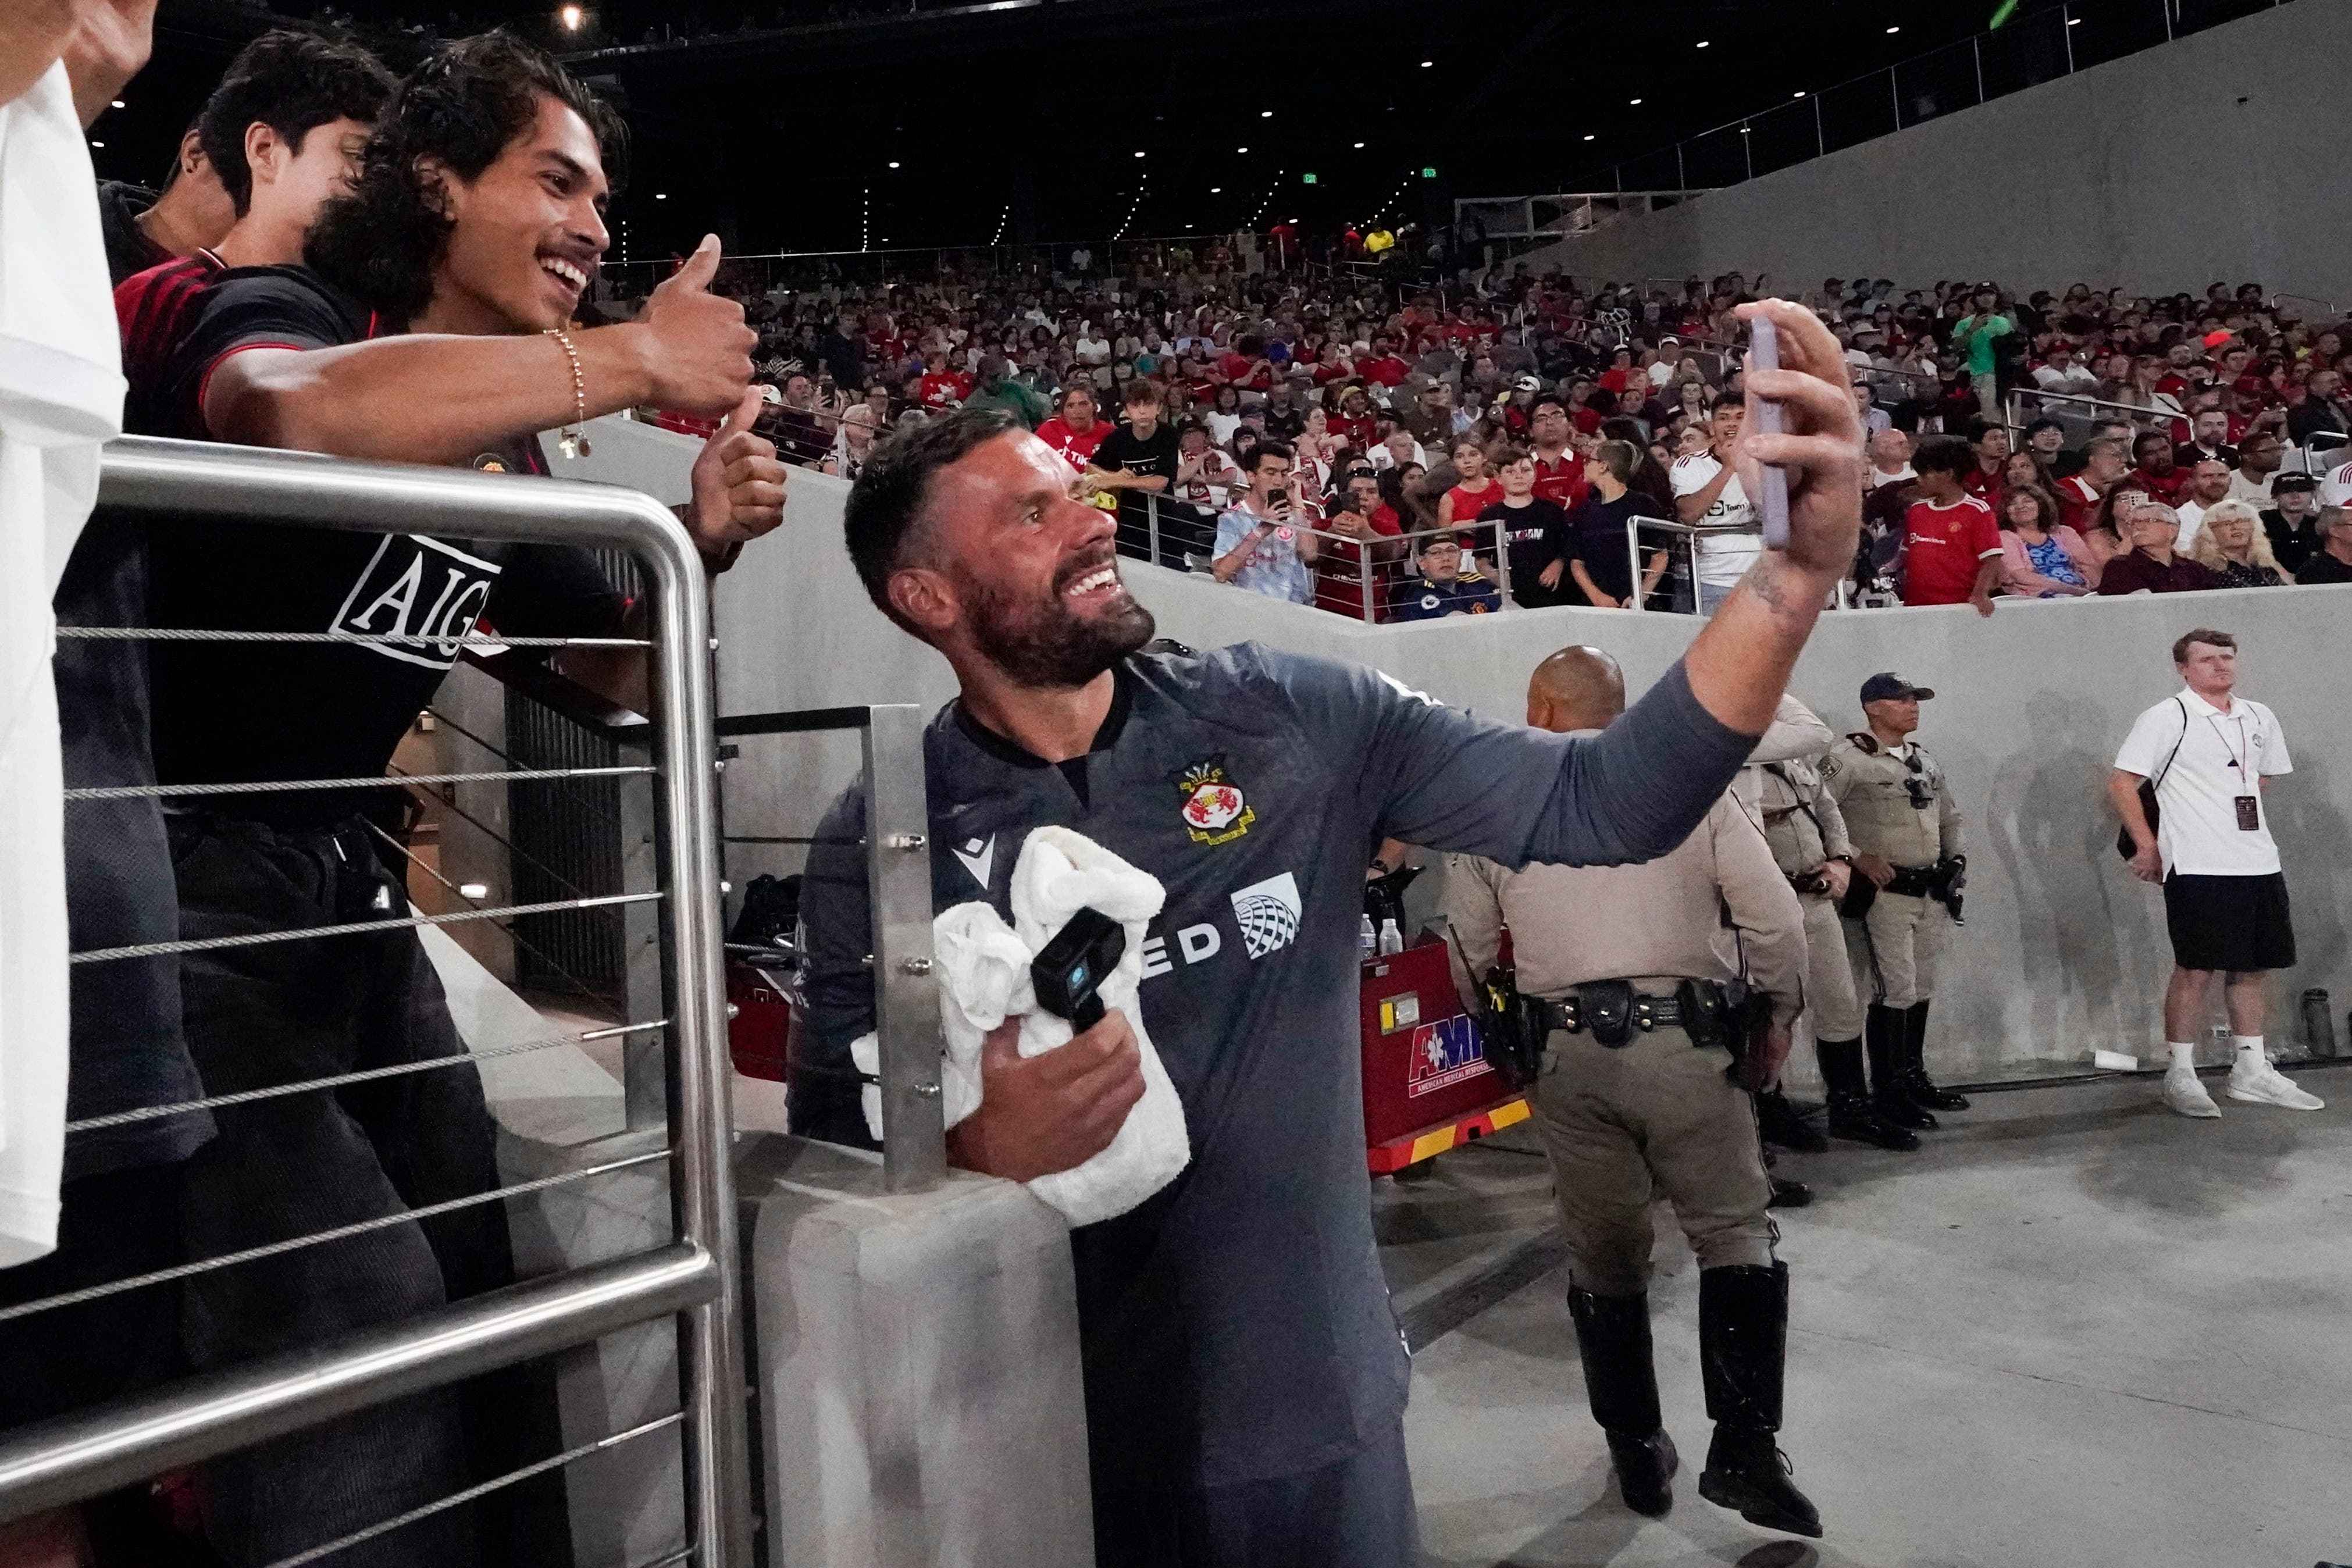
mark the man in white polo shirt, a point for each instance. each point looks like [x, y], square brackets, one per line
[2211, 753]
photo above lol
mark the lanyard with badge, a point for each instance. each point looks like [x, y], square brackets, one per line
[2250, 806]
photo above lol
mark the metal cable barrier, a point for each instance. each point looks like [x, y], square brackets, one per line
[675, 1048]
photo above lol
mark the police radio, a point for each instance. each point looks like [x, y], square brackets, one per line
[1068, 975]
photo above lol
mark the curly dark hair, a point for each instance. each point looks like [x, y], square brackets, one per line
[293, 83]
[464, 106]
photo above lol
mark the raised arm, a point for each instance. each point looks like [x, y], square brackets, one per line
[439, 398]
[1739, 665]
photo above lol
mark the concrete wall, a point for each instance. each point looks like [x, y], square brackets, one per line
[2062, 952]
[2165, 170]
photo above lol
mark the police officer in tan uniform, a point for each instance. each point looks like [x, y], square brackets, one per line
[1631, 965]
[1782, 784]
[1906, 832]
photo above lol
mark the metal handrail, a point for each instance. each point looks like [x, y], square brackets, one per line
[898, 890]
[1366, 576]
[1689, 532]
[696, 1276]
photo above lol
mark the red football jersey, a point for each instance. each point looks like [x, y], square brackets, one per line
[1943, 546]
[1077, 446]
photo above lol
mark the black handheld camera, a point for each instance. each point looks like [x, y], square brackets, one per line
[1068, 975]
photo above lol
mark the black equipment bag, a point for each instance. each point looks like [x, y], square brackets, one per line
[2124, 845]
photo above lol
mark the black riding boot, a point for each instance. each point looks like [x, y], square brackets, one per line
[1613, 1337]
[1743, 1335]
[1914, 1045]
[1850, 1112]
[1784, 1127]
[1887, 1032]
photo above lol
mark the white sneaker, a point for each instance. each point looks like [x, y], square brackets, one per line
[2187, 1097]
[2266, 1085]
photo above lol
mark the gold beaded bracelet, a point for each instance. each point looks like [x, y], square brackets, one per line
[572, 442]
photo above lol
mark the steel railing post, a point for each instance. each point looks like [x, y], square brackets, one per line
[905, 997]
[1151, 527]
[1503, 561]
[714, 1445]
[1639, 600]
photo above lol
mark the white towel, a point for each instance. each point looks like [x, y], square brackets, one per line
[983, 966]
[60, 395]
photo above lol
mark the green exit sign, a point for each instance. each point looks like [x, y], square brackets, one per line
[1305, 179]
[1429, 174]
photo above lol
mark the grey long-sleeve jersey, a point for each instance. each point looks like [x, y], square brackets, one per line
[1236, 1326]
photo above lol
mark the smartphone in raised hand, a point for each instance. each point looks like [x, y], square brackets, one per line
[1772, 503]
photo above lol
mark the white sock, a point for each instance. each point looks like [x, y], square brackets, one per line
[2249, 1052]
[2184, 1055]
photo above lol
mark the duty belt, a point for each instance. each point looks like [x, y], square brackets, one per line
[1914, 882]
[1613, 1010]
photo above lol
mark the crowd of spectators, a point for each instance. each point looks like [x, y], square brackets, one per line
[1310, 431]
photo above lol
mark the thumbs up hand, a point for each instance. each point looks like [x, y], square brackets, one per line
[699, 351]
[739, 484]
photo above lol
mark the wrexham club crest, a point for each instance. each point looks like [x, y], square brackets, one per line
[1215, 811]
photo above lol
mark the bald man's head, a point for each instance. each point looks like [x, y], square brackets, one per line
[1576, 688]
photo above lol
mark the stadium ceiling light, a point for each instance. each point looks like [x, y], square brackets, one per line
[894, 163]
[1216, 189]
[571, 17]
[1702, 43]
[1588, 136]
[661, 195]
[1241, 149]
[1138, 155]
[1266, 115]
[117, 104]
[1800, 95]
[98, 143]
[1894, 30]
[1426, 64]
[1360, 143]
[1635, 100]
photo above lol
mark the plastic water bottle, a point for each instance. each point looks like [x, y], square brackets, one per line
[1368, 941]
[1391, 939]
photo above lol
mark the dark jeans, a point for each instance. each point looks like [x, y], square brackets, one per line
[286, 1167]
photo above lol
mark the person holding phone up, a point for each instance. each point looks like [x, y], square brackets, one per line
[1263, 543]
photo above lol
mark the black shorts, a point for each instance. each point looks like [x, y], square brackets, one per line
[2238, 924]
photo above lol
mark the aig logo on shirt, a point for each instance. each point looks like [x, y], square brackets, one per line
[422, 592]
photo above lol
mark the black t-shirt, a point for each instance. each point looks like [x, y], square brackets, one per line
[2323, 567]
[247, 711]
[1537, 535]
[1599, 528]
[1124, 449]
[128, 248]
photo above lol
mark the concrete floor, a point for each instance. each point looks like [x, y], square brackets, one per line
[2074, 1331]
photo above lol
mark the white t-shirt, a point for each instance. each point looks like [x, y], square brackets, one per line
[60, 395]
[1723, 560]
[2258, 491]
[2075, 381]
[2192, 518]
[2221, 752]
[1880, 477]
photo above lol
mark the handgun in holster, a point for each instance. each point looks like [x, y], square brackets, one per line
[1950, 876]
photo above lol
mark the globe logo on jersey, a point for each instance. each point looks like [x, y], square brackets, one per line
[1214, 811]
[1268, 914]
